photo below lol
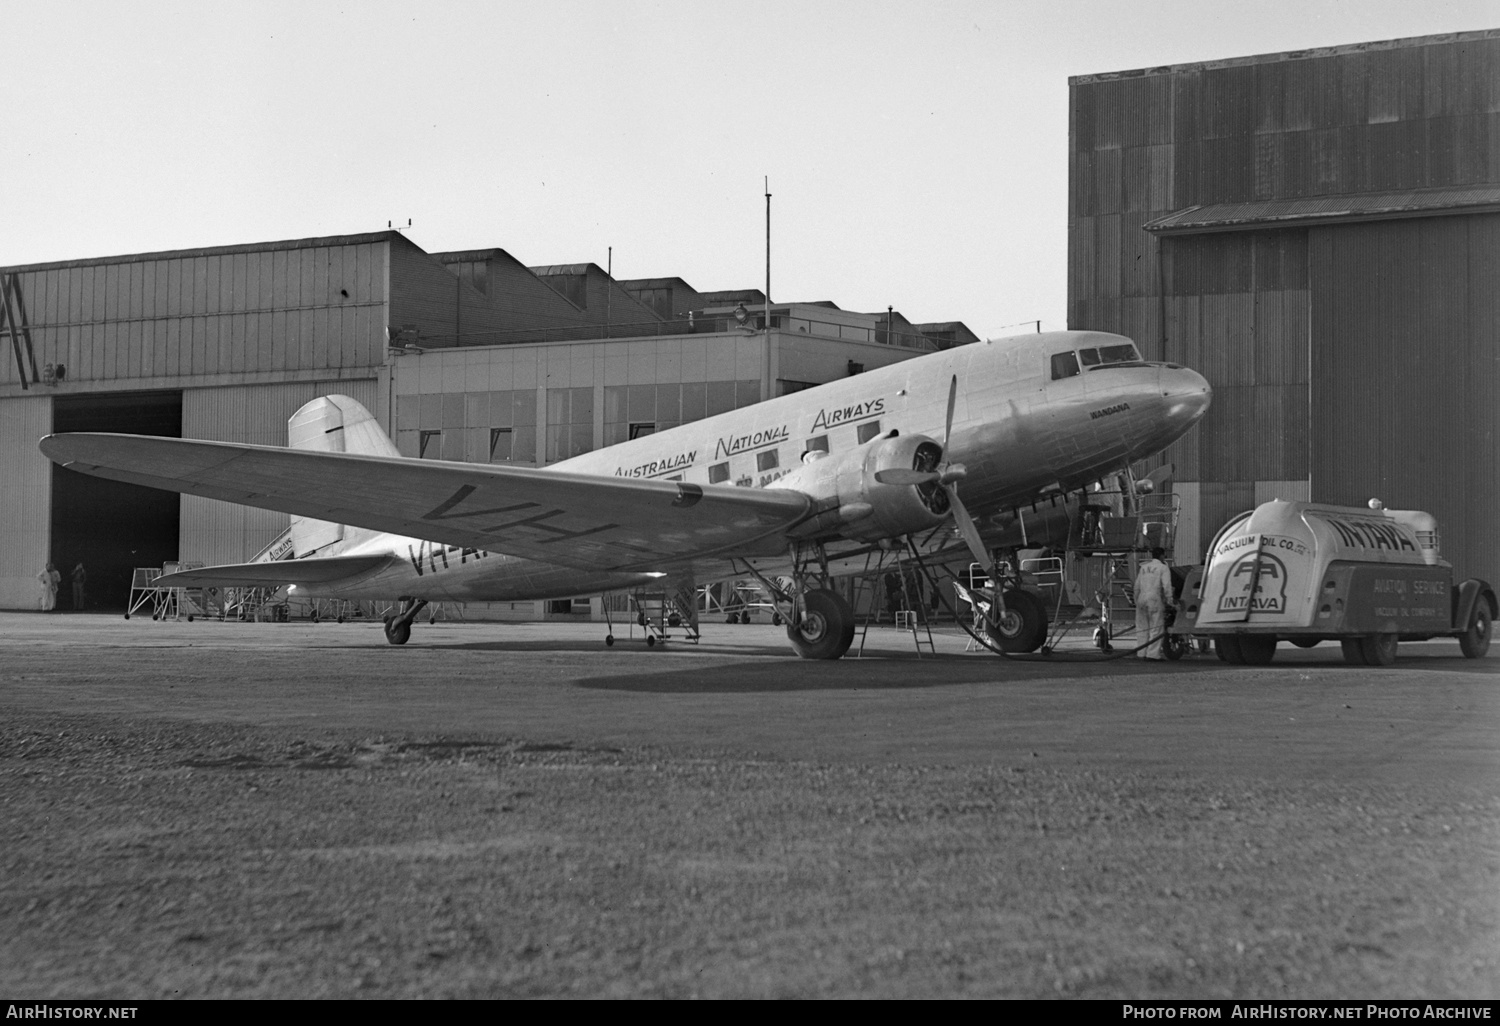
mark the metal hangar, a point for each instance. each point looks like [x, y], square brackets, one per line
[1318, 233]
[463, 356]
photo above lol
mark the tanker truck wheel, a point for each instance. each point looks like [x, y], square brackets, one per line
[1227, 648]
[1379, 649]
[1257, 649]
[1475, 640]
[1354, 651]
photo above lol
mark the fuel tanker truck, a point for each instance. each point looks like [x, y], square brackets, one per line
[1304, 573]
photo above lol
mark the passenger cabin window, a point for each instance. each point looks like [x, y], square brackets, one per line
[818, 444]
[1064, 365]
[768, 460]
[868, 431]
[718, 473]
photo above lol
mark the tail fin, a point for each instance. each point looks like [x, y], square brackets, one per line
[336, 423]
[333, 423]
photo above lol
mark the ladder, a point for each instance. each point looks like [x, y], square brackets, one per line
[906, 618]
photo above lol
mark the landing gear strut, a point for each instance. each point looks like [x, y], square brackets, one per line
[398, 625]
[819, 621]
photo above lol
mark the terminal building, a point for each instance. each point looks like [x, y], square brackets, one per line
[1318, 233]
[463, 356]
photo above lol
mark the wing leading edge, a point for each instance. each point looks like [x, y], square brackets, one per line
[577, 520]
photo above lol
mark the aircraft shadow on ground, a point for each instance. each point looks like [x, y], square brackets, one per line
[782, 677]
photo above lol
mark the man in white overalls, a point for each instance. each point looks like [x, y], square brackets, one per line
[1153, 594]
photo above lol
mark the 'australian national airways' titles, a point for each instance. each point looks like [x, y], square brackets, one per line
[665, 465]
[847, 414]
[753, 440]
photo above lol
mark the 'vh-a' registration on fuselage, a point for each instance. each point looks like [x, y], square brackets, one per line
[876, 456]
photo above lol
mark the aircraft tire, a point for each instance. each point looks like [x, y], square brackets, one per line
[1379, 649]
[1474, 642]
[397, 634]
[1023, 628]
[1175, 646]
[1227, 648]
[827, 627]
[1257, 649]
[1354, 652]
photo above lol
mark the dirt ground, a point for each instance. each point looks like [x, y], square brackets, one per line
[296, 810]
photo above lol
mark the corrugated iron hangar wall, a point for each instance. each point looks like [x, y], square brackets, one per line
[235, 337]
[1319, 234]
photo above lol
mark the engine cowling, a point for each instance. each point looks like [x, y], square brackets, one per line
[853, 503]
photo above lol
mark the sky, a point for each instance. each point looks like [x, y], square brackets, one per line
[916, 152]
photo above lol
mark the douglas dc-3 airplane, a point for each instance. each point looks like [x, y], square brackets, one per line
[778, 488]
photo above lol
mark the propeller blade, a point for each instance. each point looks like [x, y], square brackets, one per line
[902, 476]
[952, 402]
[951, 473]
[968, 531]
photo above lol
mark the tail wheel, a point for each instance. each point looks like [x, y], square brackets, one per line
[1475, 640]
[397, 633]
[827, 626]
[1227, 648]
[1257, 649]
[1379, 649]
[1023, 626]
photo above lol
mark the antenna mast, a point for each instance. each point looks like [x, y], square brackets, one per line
[768, 257]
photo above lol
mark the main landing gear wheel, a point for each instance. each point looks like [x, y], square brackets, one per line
[1474, 642]
[1023, 626]
[827, 627]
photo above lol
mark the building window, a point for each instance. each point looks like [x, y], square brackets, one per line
[819, 444]
[786, 386]
[718, 473]
[433, 441]
[500, 444]
[570, 422]
[767, 460]
[642, 430]
[1064, 365]
[868, 431]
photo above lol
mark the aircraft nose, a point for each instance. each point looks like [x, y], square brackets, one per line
[1186, 393]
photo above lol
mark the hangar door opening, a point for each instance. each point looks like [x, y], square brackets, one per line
[109, 526]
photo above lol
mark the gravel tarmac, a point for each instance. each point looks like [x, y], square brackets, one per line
[296, 810]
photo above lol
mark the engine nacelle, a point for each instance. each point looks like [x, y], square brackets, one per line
[854, 504]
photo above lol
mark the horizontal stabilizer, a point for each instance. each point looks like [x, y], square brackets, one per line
[315, 570]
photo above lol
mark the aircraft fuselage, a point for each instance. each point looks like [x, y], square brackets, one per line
[1031, 413]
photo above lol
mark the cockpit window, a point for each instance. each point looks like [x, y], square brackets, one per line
[1108, 354]
[1064, 365]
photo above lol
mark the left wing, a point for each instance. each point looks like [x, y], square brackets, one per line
[312, 570]
[584, 521]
